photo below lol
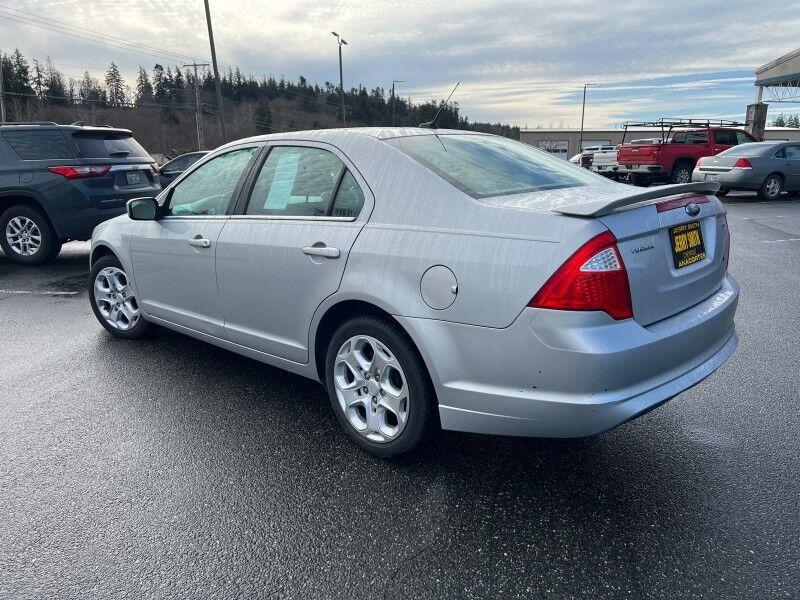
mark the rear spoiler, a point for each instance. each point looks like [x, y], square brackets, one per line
[598, 208]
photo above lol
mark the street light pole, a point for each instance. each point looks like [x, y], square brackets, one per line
[341, 43]
[222, 132]
[583, 111]
[394, 97]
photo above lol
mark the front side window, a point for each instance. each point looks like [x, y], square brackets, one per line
[208, 190]
[296, 181]
[483, 166]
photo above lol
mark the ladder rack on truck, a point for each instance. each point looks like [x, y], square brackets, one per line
[666, 125]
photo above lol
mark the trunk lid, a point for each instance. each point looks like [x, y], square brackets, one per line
[662, 284]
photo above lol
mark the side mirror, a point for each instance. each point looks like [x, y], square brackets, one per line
[142, 209]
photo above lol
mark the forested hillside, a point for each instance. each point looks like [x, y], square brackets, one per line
[159, 106]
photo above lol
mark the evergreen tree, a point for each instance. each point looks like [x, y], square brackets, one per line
[159, 87]
[19, 78]
[90, 90]
[262, 117]
[779, 121]
[793, 121]
[115, 86]
[37, 79]
[178, 88]
[54, 87]
[144, 90]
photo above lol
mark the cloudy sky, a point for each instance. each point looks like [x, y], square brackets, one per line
[522, 62]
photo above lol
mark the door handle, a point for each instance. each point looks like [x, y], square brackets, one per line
[321, 250]
[199, 242]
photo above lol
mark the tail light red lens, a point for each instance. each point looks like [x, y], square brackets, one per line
[742, 163]
[80, 172]
[593, 278]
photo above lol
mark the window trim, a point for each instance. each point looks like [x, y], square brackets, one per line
[167, 193]
[240, 209]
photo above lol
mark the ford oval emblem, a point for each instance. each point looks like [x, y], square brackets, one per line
[692, 209]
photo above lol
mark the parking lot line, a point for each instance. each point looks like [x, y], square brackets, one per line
[44, 293]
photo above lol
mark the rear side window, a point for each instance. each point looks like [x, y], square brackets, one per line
[483, 166]
[793, 152]
[349, 198]
[38, 145]
[725, 138]
[743, 138]
[101, 144]
[691, 137]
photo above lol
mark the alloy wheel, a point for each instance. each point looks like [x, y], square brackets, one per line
[371, 388]
[773, 188]
[683, 175]
[115, 300]
[23, 236]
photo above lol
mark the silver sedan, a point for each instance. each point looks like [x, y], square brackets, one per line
[768, 168]
[431, 278]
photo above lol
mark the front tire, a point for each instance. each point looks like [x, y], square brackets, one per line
[379, 387]
[26, 236]
[771, 188]
[113, 301]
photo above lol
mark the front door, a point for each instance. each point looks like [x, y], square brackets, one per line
[286, 252]
[793, 167]
[174, 257]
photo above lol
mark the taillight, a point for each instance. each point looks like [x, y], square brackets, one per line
[80, 172]
[593, 278]
[742, 163]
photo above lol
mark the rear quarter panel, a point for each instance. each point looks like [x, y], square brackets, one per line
[499, 256]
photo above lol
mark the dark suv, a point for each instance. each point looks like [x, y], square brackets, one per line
[57, 182]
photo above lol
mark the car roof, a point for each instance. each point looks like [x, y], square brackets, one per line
[46, 125]
[378, 133]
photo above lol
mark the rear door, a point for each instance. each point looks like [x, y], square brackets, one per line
[286, 251]
[130, 171]
[723, 139]
[675, 257]
[174, 258]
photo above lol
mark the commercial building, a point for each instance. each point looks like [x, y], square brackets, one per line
[564, 141]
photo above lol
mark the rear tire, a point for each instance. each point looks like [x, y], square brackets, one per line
[681, 173]
[26, 236]
[113, 301]
[771, 188]
[379, 387]
[640, 180]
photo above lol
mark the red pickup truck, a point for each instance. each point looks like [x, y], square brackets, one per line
[673, 157]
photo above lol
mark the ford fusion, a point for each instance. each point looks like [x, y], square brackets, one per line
[431, 278]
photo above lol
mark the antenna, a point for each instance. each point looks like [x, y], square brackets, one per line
[432, 123]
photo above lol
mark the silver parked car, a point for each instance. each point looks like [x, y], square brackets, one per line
[431, 277]
[766, 167]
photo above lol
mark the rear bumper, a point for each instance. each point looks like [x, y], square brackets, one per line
[642, 169]
[571, 374]
[735, 179]
[79, 225]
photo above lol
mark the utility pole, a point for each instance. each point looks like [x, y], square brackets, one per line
[198, 114]
[583, 111]
[222, 132]
[393, 96]
[2, 94]
[341, 43]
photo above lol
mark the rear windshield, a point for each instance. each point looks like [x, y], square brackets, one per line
[101, 144]
[754, 149]
[485, 166]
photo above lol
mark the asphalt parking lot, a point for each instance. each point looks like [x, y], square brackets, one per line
[168, 467]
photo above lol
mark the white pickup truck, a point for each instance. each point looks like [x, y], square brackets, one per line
[605, 162]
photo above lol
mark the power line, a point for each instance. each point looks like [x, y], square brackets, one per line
[5, 16]
[92, 32]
